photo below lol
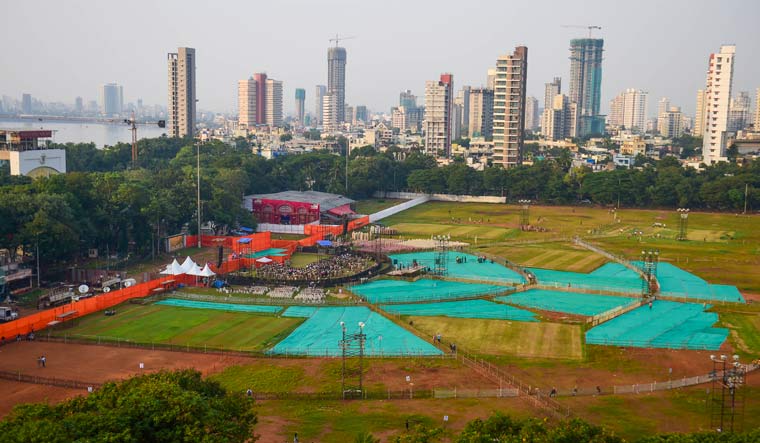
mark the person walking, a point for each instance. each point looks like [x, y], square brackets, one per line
[44, 361]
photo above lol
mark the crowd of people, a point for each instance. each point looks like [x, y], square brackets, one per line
[333, 266]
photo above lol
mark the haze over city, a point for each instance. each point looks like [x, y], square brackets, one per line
[73, 48]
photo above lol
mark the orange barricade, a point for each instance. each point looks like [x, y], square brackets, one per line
[40, 320]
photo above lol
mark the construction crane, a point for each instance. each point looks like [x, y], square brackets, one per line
[339, 38]
[133, 127]
[589, 27]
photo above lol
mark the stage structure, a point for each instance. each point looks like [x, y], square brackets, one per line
[352, 352]
[441, 264]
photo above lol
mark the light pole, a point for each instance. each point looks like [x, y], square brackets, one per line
[683, 222]
[725, 404]
[649, 259]
[524, 214]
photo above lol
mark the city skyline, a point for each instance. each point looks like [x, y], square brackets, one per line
[299, 57]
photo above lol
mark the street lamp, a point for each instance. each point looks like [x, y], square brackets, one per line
[683, 222]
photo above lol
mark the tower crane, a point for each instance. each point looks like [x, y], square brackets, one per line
[339, 38]
[133, 127]
[589, 27]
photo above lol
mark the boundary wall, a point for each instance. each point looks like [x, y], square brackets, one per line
[442, 197]
[398, 208]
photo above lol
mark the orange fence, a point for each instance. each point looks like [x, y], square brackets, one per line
[40, 320]
[358, 223]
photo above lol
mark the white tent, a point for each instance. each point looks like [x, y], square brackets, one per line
[188, 265]
[173, 268]
[264, 260]
[207, 272]
[196, 271]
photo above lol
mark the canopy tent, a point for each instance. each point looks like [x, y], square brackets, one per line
[173, 269]
[188, 264]
[244, 241]
[196, 271]
[246, 229]
[264, 260]
[207, 272]
[325, 243]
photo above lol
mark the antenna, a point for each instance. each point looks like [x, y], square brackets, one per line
[589, 27]
[338, 38]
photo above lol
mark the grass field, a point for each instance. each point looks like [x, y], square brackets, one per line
[186, 326]
[374, 205]
[555, 255]
[500, 337]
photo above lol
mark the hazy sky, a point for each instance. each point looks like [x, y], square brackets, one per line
[57, 50]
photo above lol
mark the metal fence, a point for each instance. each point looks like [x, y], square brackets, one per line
[614, 312]
[49, 381]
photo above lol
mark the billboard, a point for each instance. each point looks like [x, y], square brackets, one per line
[175, 243]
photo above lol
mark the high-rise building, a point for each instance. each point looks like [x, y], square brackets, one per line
[670, 123]
[532, 116]
[330, 121]
[560, 118]
[757, 110]
[273, 106]
[481, 112]
[717, 101]
[349, 111]
[111, 99]
[438, 110]
[407, 99]
[79, 105]
[319, 95]
[491, 78]
[182, 96]
[336, 78]
[738, 112]
[699, 120]
[586, 83]
[550, 91]
[261, 97]
[663, 106]
[361, 114]
[628, 110]
[247, 103]
[462, 100]
[509, 107]
[300, 105]
[26, 103]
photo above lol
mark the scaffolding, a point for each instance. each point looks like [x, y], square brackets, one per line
[352, 369]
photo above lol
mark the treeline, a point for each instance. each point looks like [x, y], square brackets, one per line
[105, 203]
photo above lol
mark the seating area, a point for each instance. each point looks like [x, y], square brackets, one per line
[282, 292]
[311, 295]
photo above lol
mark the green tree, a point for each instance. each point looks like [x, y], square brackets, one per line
[163, 407]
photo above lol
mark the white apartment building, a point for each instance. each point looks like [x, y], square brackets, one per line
[273, 103]
[560, 118]
[699, 120]
[670, 123]
[438, 115]
[247, 103]
[182, 98]
[720, 75]
[509, 107]
[629, 110]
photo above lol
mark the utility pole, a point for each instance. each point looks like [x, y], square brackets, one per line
[198, 145]
[746, 194]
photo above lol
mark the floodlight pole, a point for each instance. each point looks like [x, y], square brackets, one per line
[682, 223]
